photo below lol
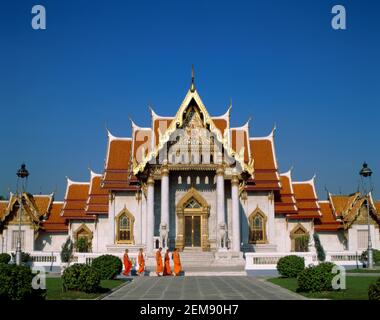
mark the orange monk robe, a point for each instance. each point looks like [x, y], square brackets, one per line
[167, 269]
[160, 267]
[127, 265]
[141, 262]
[177, 263]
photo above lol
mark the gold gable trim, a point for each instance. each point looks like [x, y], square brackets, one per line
[178, 120]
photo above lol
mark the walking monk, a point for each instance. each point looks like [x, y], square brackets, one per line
[159, 267]
[141, 262]
[167, 269]
[177, 262]
[127, 263]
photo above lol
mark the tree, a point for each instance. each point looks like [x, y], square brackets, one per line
[318, 246]
[67, 251]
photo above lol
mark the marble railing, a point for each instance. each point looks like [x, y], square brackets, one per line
[268, 260]
[53, 259]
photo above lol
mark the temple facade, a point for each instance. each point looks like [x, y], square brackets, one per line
[193, 182]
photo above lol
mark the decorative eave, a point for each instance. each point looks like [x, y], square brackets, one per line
[178, 121]
[244, 128]
[111, 138]
[288, 174]
[270, 137]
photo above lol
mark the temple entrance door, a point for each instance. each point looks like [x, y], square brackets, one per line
[192, 222]
[192, 231]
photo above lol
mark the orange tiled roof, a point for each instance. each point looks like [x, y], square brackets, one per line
[307, 201]
[328, 220]
[221, 124]
[285, 201]
[117, 171]
[159, 127]
[55, 222]
[3, 208]
[42, 203]
[97, 202]
[240, 139]
[341, 204]
[142, 143]
[75, 201]
[377, 207]
[266, 175]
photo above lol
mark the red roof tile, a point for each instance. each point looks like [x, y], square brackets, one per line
[75, 201]
[117, 172]
[55, 222]
[328, 221]
[97, 202]
[307, 201]
[285, 202]
[266, 175]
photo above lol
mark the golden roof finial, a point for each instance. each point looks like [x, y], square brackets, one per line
[192, 88]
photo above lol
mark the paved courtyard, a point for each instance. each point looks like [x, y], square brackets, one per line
[200, 287]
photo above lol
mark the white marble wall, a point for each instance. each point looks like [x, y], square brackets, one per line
[353, 237]
[125, 200]
[49, 241]
[262, 201]
[28, 238]
[332, 241]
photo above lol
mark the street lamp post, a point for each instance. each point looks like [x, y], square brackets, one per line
[22, 174]
[367, 172]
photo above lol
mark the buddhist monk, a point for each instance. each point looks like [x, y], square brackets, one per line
[127, 263]
[177, 262]
[160, 267]
[141, 262]
[167, 268]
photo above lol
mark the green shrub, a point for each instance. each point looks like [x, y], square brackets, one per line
[82, 245]
[5, 258]
[316, 278]
[290, 266]
[25, 257]
[67, 251]
[319, 248]
[376, 256]
[81, 277]
[108, 266]
[16, 283]
[374, 291]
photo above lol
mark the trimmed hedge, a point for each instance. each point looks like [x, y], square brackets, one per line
[108, 266]
[81, 277]
[5, 258]
[290, 266]
[316, 278]
[16, 283]
[374, 291]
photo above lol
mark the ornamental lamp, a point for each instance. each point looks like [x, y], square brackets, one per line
[365, 171]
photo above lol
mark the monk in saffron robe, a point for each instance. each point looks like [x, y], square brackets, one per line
[160, 267]
[127, 263]
[167, 269]
[141, 262]
[177, 262]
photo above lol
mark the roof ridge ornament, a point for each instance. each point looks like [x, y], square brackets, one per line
[192, 88]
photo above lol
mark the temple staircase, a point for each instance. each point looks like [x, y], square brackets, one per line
[200, 263]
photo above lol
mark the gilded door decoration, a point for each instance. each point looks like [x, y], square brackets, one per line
[192, 221]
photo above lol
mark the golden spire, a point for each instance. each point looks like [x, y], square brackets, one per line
[192, 88]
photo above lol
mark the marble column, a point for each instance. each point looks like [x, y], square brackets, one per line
[220, 208]
[164, 226]
[235, 214]
[150, 216]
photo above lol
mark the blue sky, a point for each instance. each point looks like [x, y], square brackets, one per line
[101, 62]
